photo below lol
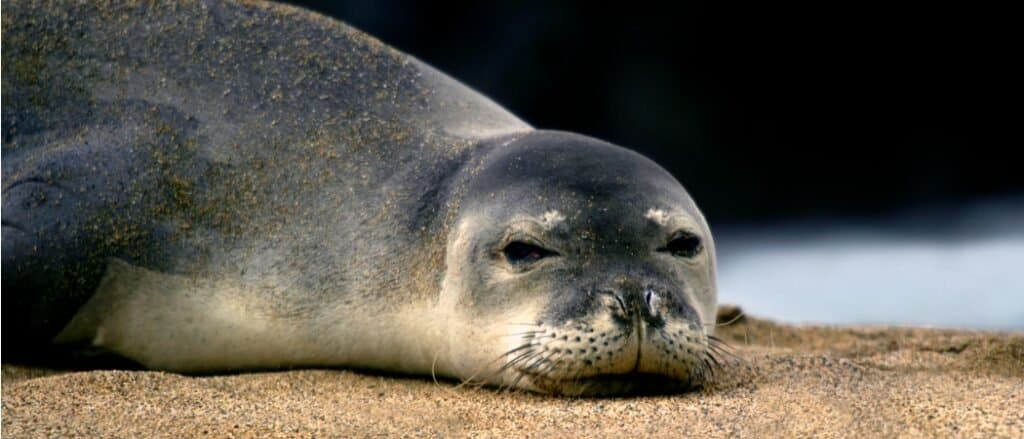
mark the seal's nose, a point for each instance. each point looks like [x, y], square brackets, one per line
[653, 300]
[618, 304]
[629, 305]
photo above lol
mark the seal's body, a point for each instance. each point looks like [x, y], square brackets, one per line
[207, 186]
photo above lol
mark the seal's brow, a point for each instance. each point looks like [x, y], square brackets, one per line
[658, 216]
[551, 218]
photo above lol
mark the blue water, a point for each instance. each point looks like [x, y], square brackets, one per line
[957, 267]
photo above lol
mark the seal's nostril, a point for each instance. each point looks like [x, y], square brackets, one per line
[622, 303]
[616, 303]
[652, 299]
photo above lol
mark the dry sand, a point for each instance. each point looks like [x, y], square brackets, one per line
[795, 382]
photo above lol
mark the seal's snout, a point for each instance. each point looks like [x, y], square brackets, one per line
[648, 305]
[617, 336]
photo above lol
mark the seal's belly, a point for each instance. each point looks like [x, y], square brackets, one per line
[189, 324]
[175, 322]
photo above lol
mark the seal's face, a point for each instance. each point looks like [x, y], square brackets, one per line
[584, 268]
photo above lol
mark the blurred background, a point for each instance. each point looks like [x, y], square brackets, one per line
[855, 161]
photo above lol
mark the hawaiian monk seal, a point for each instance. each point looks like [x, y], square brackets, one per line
[207, 186]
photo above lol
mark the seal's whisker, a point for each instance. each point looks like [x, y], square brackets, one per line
[526, 356]
[534, 361]
[713, 358]
[739, 316]
[718, 350]
[543, 369]
[468, 382]
[483, 382]
[532, 337]
[524, 372]
[721, 348]
[519, 348]
[576, 382]
[523, 357]
[707, 374]
[519, 377]
[717, 339]
[583, 389]
[525, 333]
[512, 386]
[433, 368]
[708, 368]
[471, 384]
[522, 324]
[537, 362]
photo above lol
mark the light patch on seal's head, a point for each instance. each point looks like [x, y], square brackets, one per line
[551, 218]
[658, 216]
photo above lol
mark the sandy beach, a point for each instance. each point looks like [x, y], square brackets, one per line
[792, 382]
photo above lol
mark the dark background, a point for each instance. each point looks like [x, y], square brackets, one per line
[762, 110]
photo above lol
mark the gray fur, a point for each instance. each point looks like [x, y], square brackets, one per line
[166, 133]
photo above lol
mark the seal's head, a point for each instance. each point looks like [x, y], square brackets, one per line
[578, 267]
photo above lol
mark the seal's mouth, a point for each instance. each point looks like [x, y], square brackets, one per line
[601, 360]
[633, 383]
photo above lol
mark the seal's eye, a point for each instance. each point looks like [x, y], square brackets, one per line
[684, 245]
[519, 252]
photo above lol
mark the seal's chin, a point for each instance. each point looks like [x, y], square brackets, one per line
[633, 383]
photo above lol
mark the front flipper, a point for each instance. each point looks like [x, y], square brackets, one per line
[48, 268]
[67, 208]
